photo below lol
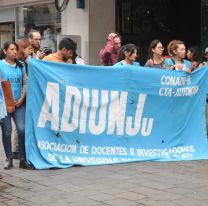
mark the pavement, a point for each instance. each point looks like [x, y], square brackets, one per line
[133, 184]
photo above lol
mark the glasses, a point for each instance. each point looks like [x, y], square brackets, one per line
[161, 48]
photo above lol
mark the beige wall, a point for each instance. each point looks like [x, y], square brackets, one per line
[102, 22]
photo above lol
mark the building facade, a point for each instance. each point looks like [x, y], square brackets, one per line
[88, 26]
[89, 21]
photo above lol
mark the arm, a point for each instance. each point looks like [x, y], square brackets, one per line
[21, 100]
[105, 53]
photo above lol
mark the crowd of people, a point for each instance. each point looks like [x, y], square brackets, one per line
[14, 67]
[178, 57]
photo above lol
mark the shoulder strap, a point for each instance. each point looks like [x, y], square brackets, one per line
[173, 61]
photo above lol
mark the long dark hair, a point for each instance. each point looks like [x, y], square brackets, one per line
[127, 48]
[5, 47]
[195, 52]
[153, 45]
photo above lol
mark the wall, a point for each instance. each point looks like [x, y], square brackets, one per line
[102, 22]
[76, 22]
[92, 23]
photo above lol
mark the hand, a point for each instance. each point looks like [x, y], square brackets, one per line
[19, 102]
[111, 37]
[179, 66]
[40, 54]
[188, 71]
[171, 67]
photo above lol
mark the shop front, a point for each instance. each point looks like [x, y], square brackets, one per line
[17, 21]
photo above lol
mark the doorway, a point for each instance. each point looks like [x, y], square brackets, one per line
[142, 21]
[7, 32]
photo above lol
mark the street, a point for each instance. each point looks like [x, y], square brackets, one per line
[133, 184]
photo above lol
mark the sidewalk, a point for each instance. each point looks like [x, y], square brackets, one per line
[134, 184]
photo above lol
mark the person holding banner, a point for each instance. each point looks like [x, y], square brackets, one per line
[177, 61]
[23, 52]
[128, 56]
[193, 56]
[155, 55]
[14, 71]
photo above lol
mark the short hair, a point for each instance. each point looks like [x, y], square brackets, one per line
[195, 52]
[30, 35]
[67, 43]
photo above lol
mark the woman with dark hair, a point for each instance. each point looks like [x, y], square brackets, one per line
[193, 56]
[24, 50]
[177, 61]
[155, 55]
[14, 71]
[128, 56]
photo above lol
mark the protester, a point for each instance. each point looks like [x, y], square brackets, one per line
[128, 55]
[193, 56]
[14, 71]
[177, 61]
[23, 52]
[109, 54]
[35, 40]
[155, 55]
[205, 62]
[66, 53]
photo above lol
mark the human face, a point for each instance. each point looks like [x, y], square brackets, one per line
[35, 40]
[158, 49]
[180, 52]
[11, 52]
[117, 43]
[67, 54]
[131, 57]
[189, 55]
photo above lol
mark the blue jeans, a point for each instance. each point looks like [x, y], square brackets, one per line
[19, 119]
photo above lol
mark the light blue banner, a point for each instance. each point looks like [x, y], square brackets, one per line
[3, 111]
[90, 115]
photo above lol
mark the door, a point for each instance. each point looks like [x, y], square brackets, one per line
[204, 24]
[7, 32]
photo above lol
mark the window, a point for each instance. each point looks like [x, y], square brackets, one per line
[41, 17]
